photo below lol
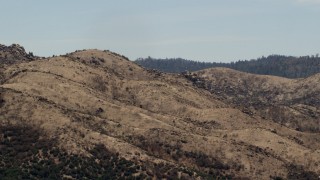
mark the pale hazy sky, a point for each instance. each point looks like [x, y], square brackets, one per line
[206, 30]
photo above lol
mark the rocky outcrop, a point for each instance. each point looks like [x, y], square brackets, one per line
[14, 53]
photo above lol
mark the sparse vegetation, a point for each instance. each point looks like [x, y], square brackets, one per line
[249, 94]
[298, 172]
[93, 115]
[27, 154]
[209, 167]
[98, 83]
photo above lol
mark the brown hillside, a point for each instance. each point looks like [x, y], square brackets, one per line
[294, 103]
[158, 121]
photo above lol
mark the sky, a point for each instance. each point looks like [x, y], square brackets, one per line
[204, 30]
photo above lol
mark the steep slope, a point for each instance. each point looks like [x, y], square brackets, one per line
[97, 109]
[294, 103]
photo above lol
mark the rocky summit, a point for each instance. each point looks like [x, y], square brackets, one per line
[14, 53]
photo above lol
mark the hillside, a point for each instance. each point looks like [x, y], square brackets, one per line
[277, 65]
[94, 114]
[291, 102]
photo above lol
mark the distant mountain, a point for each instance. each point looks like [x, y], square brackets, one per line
[278, 65]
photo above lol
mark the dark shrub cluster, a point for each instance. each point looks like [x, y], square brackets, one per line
[207, 167]
[26, 154]
[298, 172]
[99, 84]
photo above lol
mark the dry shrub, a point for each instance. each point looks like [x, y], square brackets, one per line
[98, 83]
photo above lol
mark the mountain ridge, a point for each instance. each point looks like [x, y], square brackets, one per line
[278, 65]
[98, 107]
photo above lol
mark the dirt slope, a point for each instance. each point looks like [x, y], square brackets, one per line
[160, 123]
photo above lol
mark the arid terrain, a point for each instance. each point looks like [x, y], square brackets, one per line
[95, 114]
[290, 102]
